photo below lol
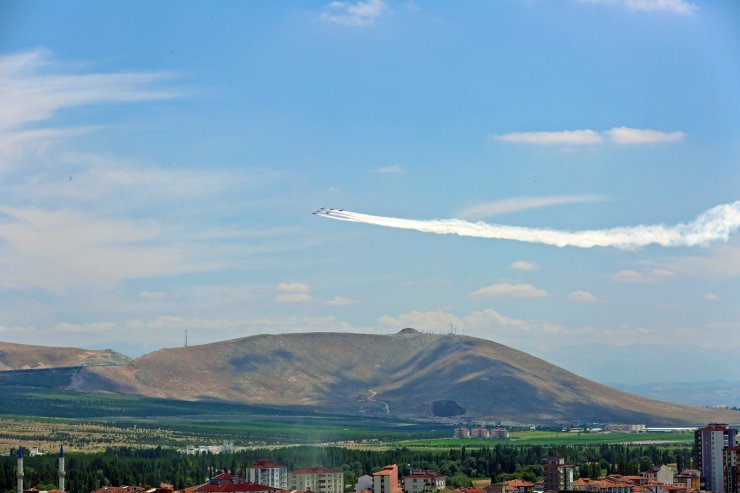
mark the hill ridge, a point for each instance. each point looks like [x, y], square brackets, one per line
[406, 374]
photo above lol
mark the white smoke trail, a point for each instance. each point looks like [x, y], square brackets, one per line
[713, 225]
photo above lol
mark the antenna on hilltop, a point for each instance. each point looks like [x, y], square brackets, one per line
[186, 338]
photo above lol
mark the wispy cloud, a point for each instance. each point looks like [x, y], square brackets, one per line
[582, 296]
[712, 297]
[572, 137]
[617, 135]
[58, 250]
[506, 290]
[651, 275]
[31, 91]
[506, 206]
[293, 292]
[85, 327]
[361, 13]
[341, 301]
[71, 219]
[714, 225]
[422, 320]
[681, 7]
[388, 170]
[481, 322]
[524, 265]
[153, 295]
[624, 135]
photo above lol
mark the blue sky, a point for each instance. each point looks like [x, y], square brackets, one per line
[160, 163]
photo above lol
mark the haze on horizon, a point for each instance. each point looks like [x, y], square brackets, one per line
[159, 167]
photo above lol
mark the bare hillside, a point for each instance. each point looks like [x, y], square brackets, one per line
[405, 374]
[29, 357]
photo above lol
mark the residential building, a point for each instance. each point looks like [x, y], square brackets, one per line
[520, 486]
[558, 474]
[690, 478]
[462, 432]
[709, 443]
[480, 433]
[386, 480]
[662, 474]
[499, 433]
[269, 474]
[732, 469]
[317, 479]
[419, 481]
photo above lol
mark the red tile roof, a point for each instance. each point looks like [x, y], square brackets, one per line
[229, 487]
[229, 483]
[517, 483]
[264, 464]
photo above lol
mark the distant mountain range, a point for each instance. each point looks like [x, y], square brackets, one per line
[408, 374]
[701, 393]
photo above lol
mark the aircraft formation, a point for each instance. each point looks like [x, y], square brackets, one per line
[326, 211]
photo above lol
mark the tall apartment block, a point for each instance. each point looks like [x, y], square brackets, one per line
[732, 469]
[558, 474]
[710, 443]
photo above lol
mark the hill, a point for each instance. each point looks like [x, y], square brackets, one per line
[408, 374]
[30, 357]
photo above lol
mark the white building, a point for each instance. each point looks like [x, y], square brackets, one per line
[316, 479]
[419, 481]
[269, 474]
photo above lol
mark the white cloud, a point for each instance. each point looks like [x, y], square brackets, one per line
[582, 296]
[651, 275]
[341, 301]
[293, 287]
[523, 203]
[153, 295]
[489, 318]
[617, 135]
[569, 137]
[430, 320]
[712, 297]
[524, 265]
[481, 322]
[293, 292]
[681, 7]
[507, 290]
[388, 170]
[624, 135]
[84, 328]
[360, 13]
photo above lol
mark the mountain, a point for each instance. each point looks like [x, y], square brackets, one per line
[27, 357]
[407, 374]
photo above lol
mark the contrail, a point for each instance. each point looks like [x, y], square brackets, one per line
[713, 225]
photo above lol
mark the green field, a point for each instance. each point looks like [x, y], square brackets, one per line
[552, 438]
[172, 422]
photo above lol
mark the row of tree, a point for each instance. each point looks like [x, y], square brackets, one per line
[150, 467]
